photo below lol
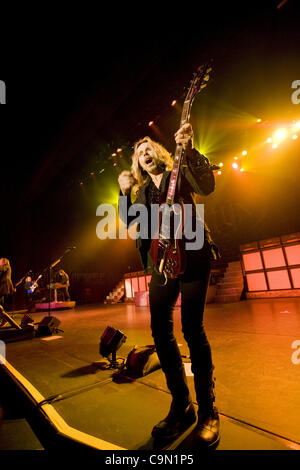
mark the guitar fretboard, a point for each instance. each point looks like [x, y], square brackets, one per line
[198, 83]
[185, 116]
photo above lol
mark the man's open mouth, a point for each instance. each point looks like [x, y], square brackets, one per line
[149, 160]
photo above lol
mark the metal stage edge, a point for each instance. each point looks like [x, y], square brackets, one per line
[54, 433]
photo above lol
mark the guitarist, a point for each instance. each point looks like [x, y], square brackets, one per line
[149, 176]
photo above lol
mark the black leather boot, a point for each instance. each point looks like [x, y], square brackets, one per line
[175, 423]
[182, 412]
[207, 431]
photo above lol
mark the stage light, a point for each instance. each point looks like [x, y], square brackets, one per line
[244, 152]
[269, 140]
[241, 169]
[173, 103]
[274, 146]
[236, 158]
[115, 164]
[219, 172]
[113, 154]
[235, 166]
[119, 150]
[26, 320]
[295, 137]
[280, 135]
[221, 164]
[48, 325]
[92, 173]
[258, 120]
[110, 341]
[298, 125]
[150, 123]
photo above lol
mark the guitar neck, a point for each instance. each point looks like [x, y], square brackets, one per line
[185, 117]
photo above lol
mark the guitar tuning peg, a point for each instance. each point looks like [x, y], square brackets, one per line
[209, 70]
[206, 78]
[203, 86]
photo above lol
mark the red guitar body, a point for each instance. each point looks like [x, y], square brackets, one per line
[168, 254]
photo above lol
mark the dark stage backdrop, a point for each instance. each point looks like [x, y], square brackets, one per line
[77, 98]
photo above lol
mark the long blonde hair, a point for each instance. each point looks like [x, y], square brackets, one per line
[163, 155]
[4, 262]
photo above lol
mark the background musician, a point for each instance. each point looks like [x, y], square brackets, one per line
[63, 278]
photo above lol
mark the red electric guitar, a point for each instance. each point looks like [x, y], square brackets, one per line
[168, 253]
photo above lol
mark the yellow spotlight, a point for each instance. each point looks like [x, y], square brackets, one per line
[258, 120]
[241, 169]
[219, 172]
[244, 152]
[280, 135]
[274, 146]
[236, 158]
[221, 164]
[235, 166]
[269, 140]
[295, 137]
[298, 125]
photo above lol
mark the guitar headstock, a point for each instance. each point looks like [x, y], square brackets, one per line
[199, 80]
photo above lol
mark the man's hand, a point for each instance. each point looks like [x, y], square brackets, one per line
[184, 136]
[126, 181]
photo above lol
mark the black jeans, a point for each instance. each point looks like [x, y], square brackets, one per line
[193, 285]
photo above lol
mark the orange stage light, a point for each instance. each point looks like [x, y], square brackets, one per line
[280, 135]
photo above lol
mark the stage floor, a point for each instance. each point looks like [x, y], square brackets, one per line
[257, 384]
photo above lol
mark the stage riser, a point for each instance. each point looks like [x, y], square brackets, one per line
[273, 294]
[55, 305]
